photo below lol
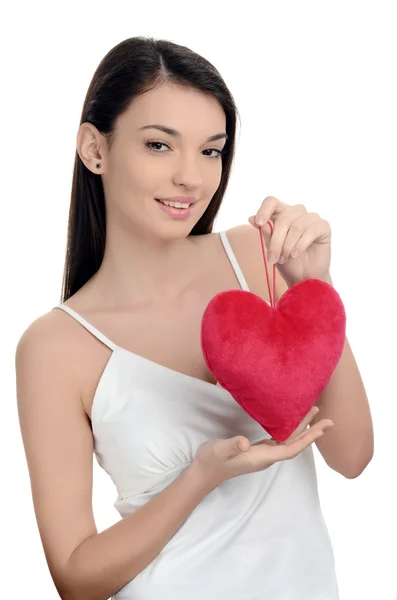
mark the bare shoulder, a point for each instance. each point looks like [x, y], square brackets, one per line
[49, 343]
[246, 239]
[41, 329]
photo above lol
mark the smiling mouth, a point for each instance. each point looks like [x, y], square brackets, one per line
[184, 206]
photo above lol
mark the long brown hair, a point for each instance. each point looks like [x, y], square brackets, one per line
[133, 67]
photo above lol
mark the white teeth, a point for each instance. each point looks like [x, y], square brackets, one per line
[175, 204]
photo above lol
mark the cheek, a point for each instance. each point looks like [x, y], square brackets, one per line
[215, 178]
[135, 177]
[144, 172]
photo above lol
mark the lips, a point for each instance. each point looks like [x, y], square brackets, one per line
[176, 213]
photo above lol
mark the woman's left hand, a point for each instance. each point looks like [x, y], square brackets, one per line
[301, 241]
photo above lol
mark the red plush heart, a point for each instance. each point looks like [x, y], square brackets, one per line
[275, 360]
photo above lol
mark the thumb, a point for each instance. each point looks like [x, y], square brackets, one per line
[237, 445]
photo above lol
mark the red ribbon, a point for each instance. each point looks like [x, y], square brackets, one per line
[273, 298]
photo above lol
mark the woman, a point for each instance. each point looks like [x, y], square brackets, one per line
[211, 505]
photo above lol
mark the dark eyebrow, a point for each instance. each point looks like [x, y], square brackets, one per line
[175, 133]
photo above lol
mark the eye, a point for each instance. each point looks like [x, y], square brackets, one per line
[150, 143]
[220, 152]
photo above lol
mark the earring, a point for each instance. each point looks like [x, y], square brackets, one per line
[98, 166]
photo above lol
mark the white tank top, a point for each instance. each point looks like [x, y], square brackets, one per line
[259, 536]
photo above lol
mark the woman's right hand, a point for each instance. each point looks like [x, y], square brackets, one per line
[222, 459]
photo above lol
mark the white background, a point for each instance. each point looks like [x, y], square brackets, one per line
[315, 84]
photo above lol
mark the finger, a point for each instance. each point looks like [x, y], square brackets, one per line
[269, 209]
[305, 422]
[284, 451]
[226, 448]
[322, 426]
[298, 431]
[236, 445]
[318, 231]
[293, 239]
[301, 427]
[293, 448]
[266, 229]
[282, 225]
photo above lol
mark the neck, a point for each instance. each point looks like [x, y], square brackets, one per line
[143, 270]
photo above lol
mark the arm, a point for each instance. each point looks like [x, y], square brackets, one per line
[58, 442]
[348, 446]
[107, 561]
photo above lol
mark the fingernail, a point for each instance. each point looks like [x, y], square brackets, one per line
[295, 253]
[281, 260]
[273, 258]
[260, 220]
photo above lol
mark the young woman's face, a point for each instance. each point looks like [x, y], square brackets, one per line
[147, 164]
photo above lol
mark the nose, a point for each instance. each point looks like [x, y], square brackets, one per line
[188, 172]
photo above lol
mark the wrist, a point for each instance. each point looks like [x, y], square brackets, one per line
[199, 477]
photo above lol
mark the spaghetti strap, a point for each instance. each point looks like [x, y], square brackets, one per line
[87, 325]
[233, 261]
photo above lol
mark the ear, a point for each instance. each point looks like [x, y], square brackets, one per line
[89, 146]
